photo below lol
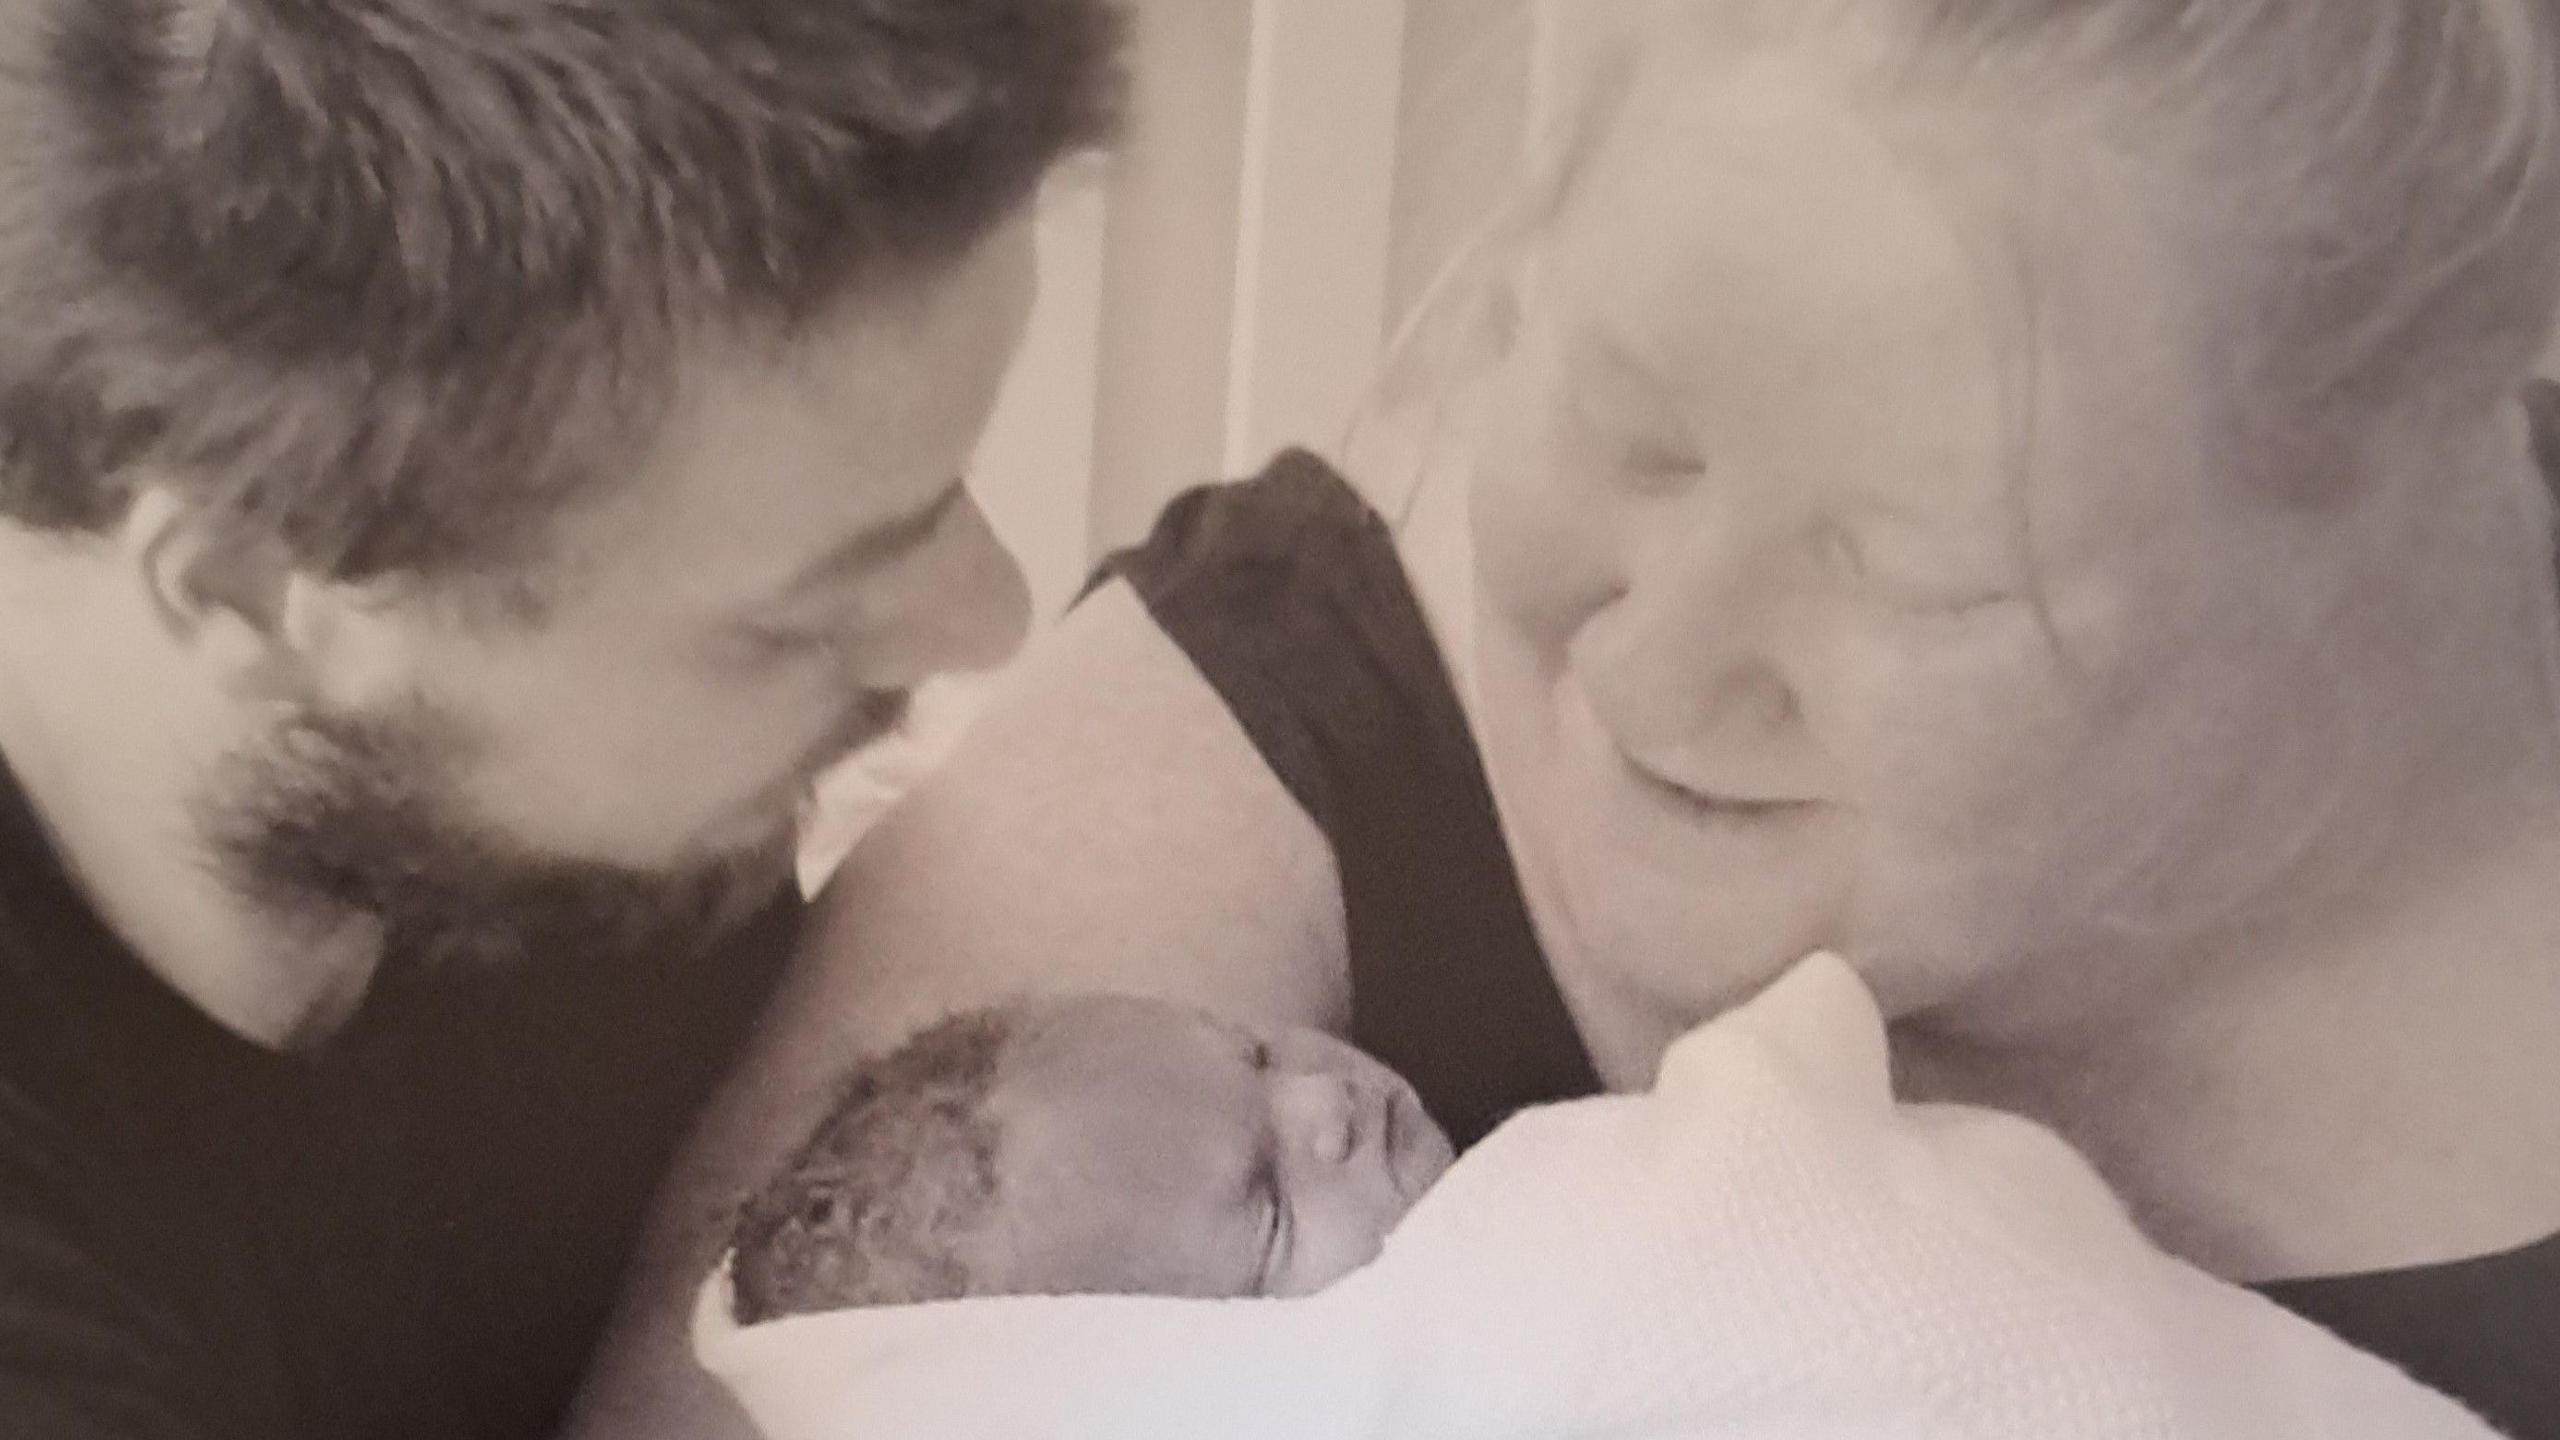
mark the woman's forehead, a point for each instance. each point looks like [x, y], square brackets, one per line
[1827, 295]
[1760, 252]
[1766, 196]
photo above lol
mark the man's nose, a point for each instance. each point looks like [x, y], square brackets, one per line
[976, 607]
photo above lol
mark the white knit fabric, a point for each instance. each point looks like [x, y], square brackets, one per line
[1765, 1246]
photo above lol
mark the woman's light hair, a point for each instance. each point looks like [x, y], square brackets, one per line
[2363, 195]
[2364, 198]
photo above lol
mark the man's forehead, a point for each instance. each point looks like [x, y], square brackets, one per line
[762, 490]
[861, 412]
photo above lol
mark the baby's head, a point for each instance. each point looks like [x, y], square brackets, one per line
[1090, 1145]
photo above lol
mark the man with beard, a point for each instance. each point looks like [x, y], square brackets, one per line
[465, 466]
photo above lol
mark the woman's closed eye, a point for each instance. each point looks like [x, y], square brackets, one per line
[1898, 584]
[1630, 430]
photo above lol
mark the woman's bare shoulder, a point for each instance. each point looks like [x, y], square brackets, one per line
[1105, 823]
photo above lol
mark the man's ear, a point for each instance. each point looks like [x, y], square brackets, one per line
[226, 597]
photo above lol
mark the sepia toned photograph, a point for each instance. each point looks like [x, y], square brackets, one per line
[1279, 719]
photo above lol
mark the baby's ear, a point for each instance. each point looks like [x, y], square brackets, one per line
[822, 1206]
[218, 591]
[800, 1261]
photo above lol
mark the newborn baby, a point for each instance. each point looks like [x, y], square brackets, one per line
[1089, 1145]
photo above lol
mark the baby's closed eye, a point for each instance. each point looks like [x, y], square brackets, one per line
[1272, 1205]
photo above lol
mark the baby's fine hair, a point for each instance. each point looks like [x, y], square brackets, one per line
[876, 1206]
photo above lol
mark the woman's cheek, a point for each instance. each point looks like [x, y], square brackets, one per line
[1940, 724]
[1549, 551]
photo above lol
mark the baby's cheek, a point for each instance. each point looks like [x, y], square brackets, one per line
[1320, 1263]
[1335, 1240]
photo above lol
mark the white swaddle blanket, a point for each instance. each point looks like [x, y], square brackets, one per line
[1765, 1245]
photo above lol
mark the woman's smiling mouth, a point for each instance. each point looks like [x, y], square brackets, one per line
[1722, 805]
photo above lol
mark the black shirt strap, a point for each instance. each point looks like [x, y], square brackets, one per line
[1287, 593]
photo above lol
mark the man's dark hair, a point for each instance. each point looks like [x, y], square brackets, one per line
[873, 1208]
[394, 281]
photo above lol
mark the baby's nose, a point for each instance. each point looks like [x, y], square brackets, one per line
[1322, 1114]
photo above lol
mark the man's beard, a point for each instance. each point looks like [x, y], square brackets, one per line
[340, 818]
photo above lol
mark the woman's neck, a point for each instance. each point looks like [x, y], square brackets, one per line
[2364, 1072]
[2371, 1081]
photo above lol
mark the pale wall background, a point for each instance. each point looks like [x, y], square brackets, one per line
[1222, 284]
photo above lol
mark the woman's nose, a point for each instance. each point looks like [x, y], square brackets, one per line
[1689, 650]
[1322, 1116]
[1665, 695]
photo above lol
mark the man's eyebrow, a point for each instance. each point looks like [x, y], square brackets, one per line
[879, 544]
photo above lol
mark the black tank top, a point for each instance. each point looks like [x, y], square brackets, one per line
[1287, 593]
